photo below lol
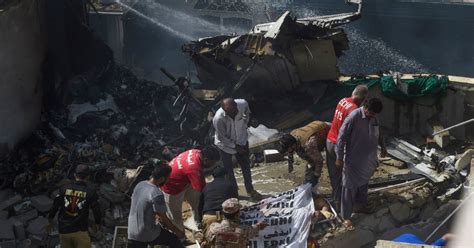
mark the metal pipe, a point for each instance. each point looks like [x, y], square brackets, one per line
[451, 127]
[449, 217]
[399, 185]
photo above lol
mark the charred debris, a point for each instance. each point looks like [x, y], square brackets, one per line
[101, 114]
[293, 59]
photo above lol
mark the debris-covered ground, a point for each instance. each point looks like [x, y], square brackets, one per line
[121, 126]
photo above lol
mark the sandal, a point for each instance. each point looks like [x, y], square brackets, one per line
[348, 225]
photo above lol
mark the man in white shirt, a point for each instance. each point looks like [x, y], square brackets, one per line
[231, 137]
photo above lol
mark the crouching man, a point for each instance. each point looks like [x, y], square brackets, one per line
[148, 223]
[308, 142]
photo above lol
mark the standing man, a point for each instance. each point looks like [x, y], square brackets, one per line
[358, 137]
[308, 142]
[229, 232]
[187, 181]
[212, 197]
[73, 203]
[231, 137]
[147, 221]
[343, 109]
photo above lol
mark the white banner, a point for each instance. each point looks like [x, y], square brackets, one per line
[288, 216]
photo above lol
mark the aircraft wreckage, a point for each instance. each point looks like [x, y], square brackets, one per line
[277, 56]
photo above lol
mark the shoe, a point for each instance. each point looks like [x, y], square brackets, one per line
[255, 195]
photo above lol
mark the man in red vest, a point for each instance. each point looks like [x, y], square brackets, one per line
[343, 108]
[186, 182]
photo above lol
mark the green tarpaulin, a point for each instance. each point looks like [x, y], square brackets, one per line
[434, 86]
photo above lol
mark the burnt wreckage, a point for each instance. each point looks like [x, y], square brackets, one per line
[275, 57]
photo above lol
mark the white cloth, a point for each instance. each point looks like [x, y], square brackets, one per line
[230, 132]
[174, 205]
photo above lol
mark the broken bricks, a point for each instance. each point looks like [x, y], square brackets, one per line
[41, 203]
[6, 230]
[10, 202]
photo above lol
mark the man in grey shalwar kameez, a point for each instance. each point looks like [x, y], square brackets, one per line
[356, 151]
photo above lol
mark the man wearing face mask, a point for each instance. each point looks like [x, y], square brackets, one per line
[147, 221]
[356, 151]
[231, 137]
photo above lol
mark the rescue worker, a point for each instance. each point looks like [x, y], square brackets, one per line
[343, 109]
[308, 142]
[73, 203]
[187, 181]
[229, 233]
[213, 195]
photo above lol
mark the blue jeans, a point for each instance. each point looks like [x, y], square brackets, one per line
[244, 162]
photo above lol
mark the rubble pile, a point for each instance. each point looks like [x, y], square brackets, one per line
[385, 212]
[119, 129]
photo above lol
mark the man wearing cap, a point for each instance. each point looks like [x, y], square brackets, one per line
[308, 142]
[212, 197]
[187, 181]
[229, 233]
[73, 203]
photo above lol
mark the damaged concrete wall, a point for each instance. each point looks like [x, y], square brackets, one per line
[22, 52]
[414, 117]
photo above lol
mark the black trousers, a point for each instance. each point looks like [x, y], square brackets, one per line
[244, 162]
[165, 238]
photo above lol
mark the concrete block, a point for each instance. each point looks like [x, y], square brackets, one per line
[8, 244]
[25, 217]
[271, 156]
[36, 241]
[400, 212]
[37, 226]
[10, 202]
[386, 223]
[26, 243]
[3, 215]
[19, 230]
[357, 238]
[42, 203]
[369, 222]
[6, 230]
[22, 207]
[5, 194]
[442, 139]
